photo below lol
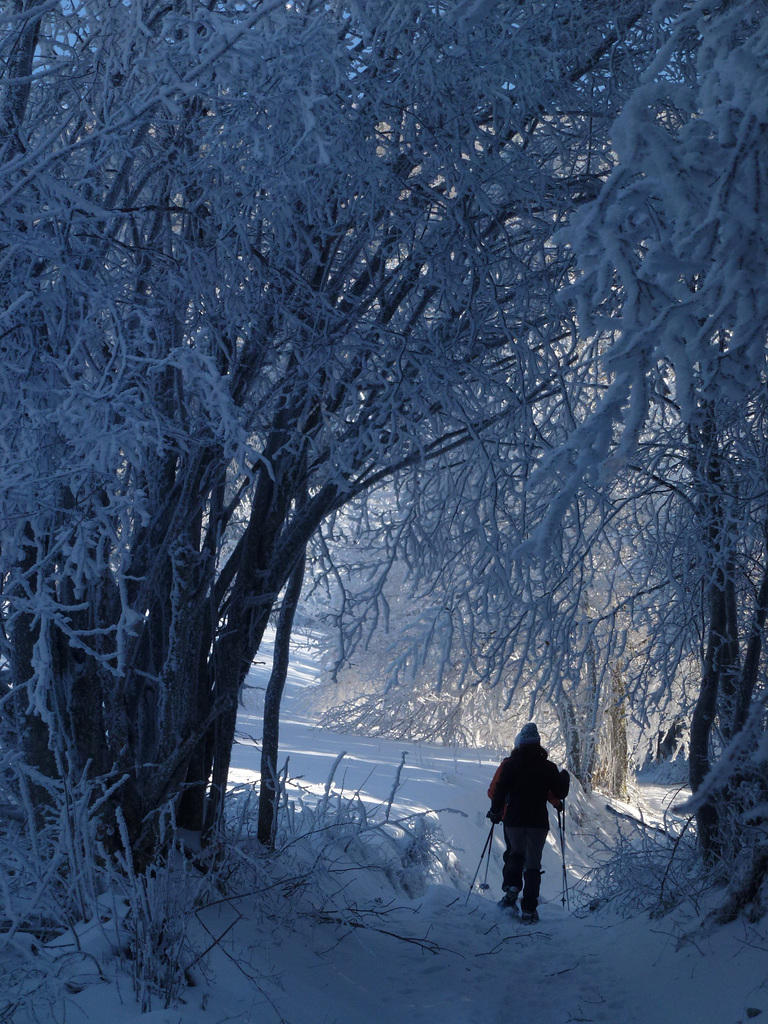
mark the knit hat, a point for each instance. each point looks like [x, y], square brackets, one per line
[528, 734]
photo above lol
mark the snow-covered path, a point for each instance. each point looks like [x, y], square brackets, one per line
[356, 950]
[443, 959]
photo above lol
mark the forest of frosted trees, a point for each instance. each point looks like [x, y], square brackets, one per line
[459, 300]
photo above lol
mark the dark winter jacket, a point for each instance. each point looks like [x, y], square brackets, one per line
[523, 783]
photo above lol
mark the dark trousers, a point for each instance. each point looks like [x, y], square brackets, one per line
[522, 863]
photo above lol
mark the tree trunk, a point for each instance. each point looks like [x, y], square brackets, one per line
[721, 656]
[268, 793]
[266, 562]
[570, 728]
[749, 669]
[23, 635]
[704, 714]
[614, 752]
[730, 673]
[591, 732]
[19, 76]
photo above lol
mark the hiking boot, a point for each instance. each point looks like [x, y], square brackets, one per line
[529, 917]
[509, 899]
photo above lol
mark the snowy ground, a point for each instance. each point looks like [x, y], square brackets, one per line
[360, 952]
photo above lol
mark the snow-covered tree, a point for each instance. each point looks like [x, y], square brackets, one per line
[675, 248]
[485, 614]
[255, 259]
[638, 467]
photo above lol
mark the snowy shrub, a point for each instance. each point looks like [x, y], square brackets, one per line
[747, 889]
[742, 809]
[329, 845]
[52, 855]
[642, 867]
[62, 872]
[736, 792]
[158, 939]
[52, 872]
[417, 854]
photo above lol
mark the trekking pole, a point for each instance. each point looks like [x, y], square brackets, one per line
[487, 847]
[561, 825]
[484, 884]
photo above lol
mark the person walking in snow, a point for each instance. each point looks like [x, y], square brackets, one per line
[519, 792]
